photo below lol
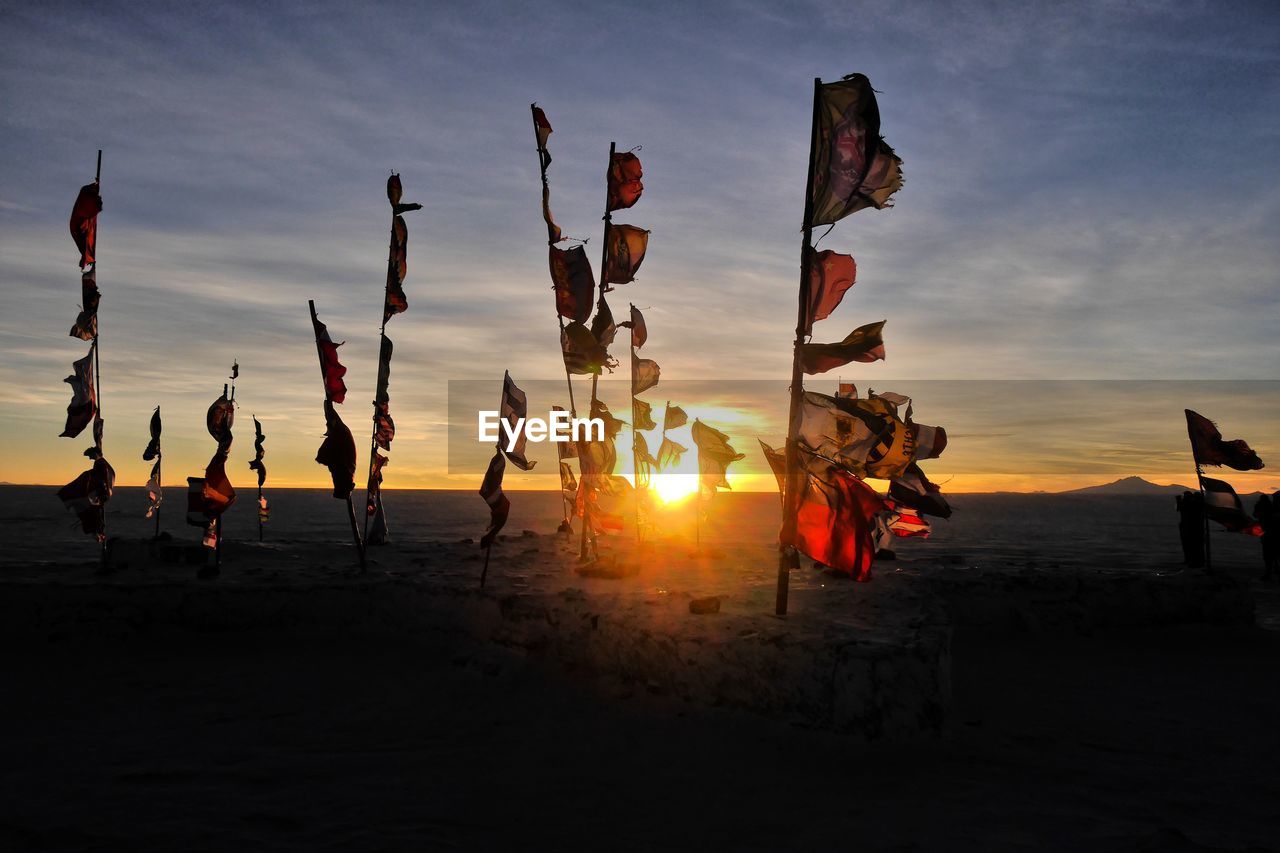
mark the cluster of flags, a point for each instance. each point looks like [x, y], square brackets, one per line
[835, 443]
[585, 339]
[87, 495]
[208, 497]
[395, 302]
[1221, 503]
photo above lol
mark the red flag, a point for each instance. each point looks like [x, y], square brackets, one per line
[834, 523]
[338, 453]
[1209, 448]
[384, 427]
[84, 222]
[573, 282]
[830, 275]
[218, 493]
[87, 496]
[334, 388]
[625, 186]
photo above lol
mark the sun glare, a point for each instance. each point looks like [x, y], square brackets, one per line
[674, 488]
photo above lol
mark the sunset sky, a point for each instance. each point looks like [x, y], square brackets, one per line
[1090, 194]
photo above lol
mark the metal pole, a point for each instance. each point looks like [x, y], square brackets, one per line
[794, 483]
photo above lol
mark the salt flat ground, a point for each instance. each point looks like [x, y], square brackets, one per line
[1151, 739]
[1141, 740]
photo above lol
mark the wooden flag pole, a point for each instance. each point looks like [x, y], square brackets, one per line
[542, 168]
[595, 377]
[794, 481]
[97, 361]
[568, 377]
[635, 439]
[382, 339]
[351, 510]
[159, 485]
[1204, 513]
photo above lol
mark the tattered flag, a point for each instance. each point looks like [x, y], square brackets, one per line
[153, 446]
[499, 505]
[155, 494]
[373, 492]
[394, 193]
[513, 409]
[625, 253]
[565, 449]
[714, 456]
[830, 275]
[256, 464]
[639, 331]
[87, 497]
[777, 464]
[338, 453]
[1223, 505]
[582, 353]
[1209, 448]
[83, 407]
[644, 374]
[219, 420]
[572, 280]
[834, 519]
[865, 437]
[384, 428]
[335, 388]
[864, 344]
[854, 167]
[625, 186]
[674, 418]
[84, 222]
[913, 489]
[669, 453]
[642, 414]
[86, 325]
[381, 395]
[397, 268]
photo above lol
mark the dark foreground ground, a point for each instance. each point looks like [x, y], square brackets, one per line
[1162, 739]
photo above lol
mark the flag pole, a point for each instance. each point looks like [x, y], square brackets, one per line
[97, 362]
[546, 188]
[159, 485]
[595, 377]
[568, 378]
[635, 435]
[351, 510]
[793, 481]
[382, 339]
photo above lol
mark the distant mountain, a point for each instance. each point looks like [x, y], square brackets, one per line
[1129, 486]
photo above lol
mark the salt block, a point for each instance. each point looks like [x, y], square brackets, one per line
[702, 606]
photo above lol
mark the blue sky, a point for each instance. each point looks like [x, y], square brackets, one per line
[1090, 194]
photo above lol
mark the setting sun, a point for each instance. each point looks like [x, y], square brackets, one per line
[674, 488]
